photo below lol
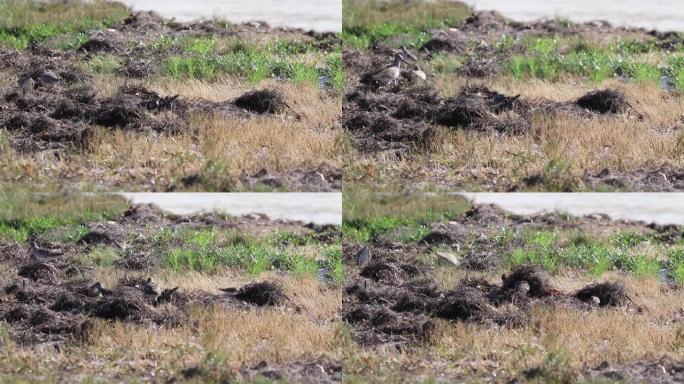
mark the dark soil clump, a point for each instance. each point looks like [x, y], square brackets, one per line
[609, 294]
[534, 276]
[261, 294]
[604, 101]
[262, 101]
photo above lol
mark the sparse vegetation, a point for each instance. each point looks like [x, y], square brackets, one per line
[165, 100]
[120, 246]
[464, 310]
[443, 134]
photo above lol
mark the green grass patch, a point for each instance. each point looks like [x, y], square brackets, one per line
[553, 249]
[293, 60]
[210, 250]
[446, 63]
[25, 22]
[365, 22]
[675, 265]
[22, 213]
[546, 59]
[368, 213]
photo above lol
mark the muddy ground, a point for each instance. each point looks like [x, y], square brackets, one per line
[404, 119]
[394, 300]
[59, 119]
[54, 303]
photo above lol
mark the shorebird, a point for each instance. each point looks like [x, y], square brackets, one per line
[101, 290]
[390, 74]
[363, 256]
[48, 77]
[449, 259]
[26, 84]
[148, 289]
[44, 255]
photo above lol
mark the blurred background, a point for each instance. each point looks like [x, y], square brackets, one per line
[317, 15]
[317, 208]
[663, 15]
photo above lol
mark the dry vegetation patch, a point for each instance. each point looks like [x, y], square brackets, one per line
[545, 105]
[485, 295]
[144, 295]
[134, 92]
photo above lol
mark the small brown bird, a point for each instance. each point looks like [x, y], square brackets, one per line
[47, 77]
[166, 295]
[363, 256]
[44, 255]
[390, 74]
[26, 85]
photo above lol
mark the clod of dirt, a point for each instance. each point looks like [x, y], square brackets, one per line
[261, 294]
[534, 276]
[39, 271]
[150, 21]
[119, 308]
[117, 112]
[144, 212]
[466, 303]
[261, 101]
[95, 238]
[609, 294]
[477, 108]
[604, 101]
[98, 45]
[486, 213]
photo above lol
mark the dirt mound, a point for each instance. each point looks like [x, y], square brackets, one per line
[144, 212]
[604, 101]
[262, 101]
[261, 294]
[487, 20]
[99, 46]
[144, 21]
[486, 213]
[466, 303]
[536, 278]
[608, 294]
[478, 108]
[445, 234]
[96, 238]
